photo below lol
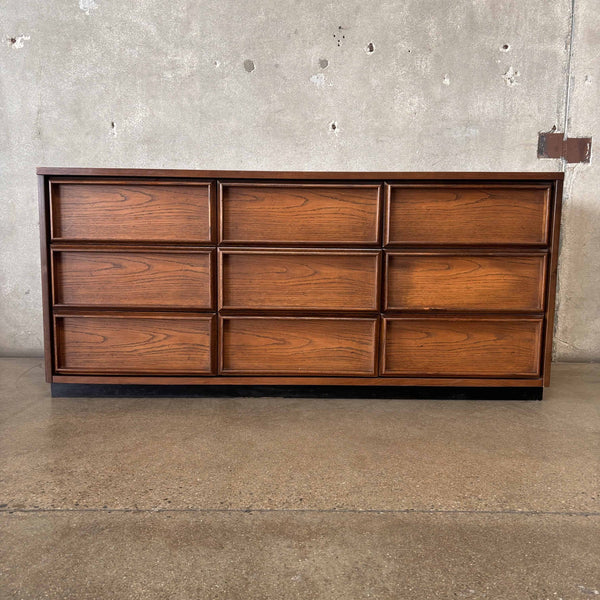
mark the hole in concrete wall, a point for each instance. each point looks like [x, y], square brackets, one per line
[370, 48]
[17, 41]
[323, 63]
[505, 47]
[249, 65]
[333, 126]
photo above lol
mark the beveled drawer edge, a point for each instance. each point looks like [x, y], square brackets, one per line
[212, 276]
[379, 186]
[132, 181]
[376, 253]
[374, 319]
[387, 254]
[548, 187]
[211, 317]
[539, 320]
[133, 246]
[209, 184]
[289, 184]
[524, 185]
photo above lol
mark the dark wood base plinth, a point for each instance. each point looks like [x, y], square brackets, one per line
[83, 390]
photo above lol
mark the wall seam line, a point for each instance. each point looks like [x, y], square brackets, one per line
[568, 183]
[569, 77]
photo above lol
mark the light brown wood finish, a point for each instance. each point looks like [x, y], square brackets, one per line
[467, 281]
[303, 380]
[156, 343]
[306, 175]
[132, 278]
[131, 211]
[467, 214]
[298, 346]
[299, 280]
[461, 347]
[463, 248]
[299, 213]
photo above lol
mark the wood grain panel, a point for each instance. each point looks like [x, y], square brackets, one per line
[175, 212]
[444, 382]
[127, 242]
[508, 282]
[318, 280]
[468, 347]
[154, 344]
[298, 346]
[299, 213]
[133, 278]
[467, 214]
[304, 175]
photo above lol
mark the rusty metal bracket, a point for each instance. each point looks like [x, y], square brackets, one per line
[573, 150]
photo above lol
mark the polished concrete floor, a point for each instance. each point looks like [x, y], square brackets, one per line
[227, 498]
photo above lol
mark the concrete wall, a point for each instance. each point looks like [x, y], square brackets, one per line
[223, 84]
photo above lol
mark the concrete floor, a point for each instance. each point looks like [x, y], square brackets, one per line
[299, 498]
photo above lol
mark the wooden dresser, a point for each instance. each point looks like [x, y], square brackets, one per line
[232, 277]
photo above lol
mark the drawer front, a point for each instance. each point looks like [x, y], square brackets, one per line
[158, 344]
[119, 279]
[131, 211]
[298, 346]
[467, 214]
[466, 347]
[299, 213]
[299, 280]
[465, 282]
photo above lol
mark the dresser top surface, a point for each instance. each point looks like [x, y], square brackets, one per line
[306, 175]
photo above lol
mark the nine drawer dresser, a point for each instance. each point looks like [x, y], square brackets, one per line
[223, 277]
